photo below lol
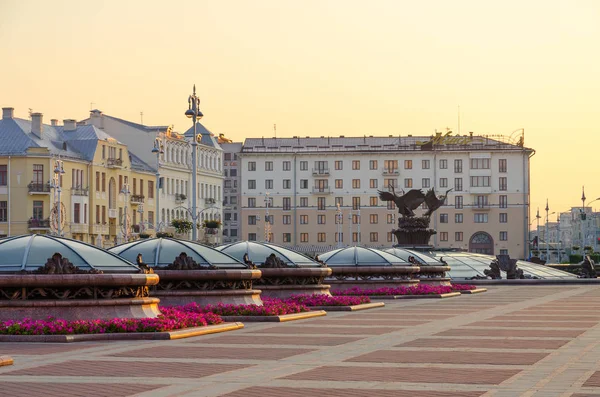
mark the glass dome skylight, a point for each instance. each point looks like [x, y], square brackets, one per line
[258, 253]
[361, 256]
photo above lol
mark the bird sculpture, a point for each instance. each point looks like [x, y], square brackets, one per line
[406, 203]
[433, 202]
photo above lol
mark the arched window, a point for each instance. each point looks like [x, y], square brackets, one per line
[481, 243]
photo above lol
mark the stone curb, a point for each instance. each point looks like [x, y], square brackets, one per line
[277, 319]
[474, 291]
[169, 335]
[5, 360]
[428, 296]
[364, 306]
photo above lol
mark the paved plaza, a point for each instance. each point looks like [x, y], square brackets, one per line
[510, 341]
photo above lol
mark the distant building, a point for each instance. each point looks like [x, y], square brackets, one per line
[232, 192]
[303, 180]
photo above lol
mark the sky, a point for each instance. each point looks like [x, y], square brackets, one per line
[324, 67]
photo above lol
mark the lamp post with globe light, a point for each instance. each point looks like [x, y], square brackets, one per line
[195, 114]
[158, 150]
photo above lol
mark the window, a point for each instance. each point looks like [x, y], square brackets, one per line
[503, 201]
[425, 164]
[481, 218]
[287, 183]
[150, 189]
[480, 164]
[503, 236]
[504, 251]
[408, 164]
[4, 211]
[339, 219]
[339, 237]
[252, 219]
[355, 203]
[251, 184]
[443, 218]
[374, 218]
[458, 166]
[390, 218]
[391, 205]
[356, 164]
[481, 202]
[458, 184]
[355, 237]
[372, 164]
[443, 164]
[287, 237]
[373, 237]
[227, 156]
[503, 217]
[303, 184]
[321, 219]
[502, 183]
[339, 165]
[103, 151]
[251, 202]
[458, 236]
[339, 183]
[321, 203]
[38, 210]
[233, 173]
[373, 201]
[501, 165]
[339, 201]
[390, 237]
[3, 176]
[355, 183]
[425, 183]
[458, 218]
[390, 166]
[480, 181]
[268, 183]
[268, 166]
[97, 180]
[304, 166]
[321, 167]
[104, 216]
[458, 202]
[443, 182]
[287, 203]
[408, 183]
[251, 165]
[304, 237]
[321, 237]
[287, 220]
[251, 236]
[355, 219]
[303, 201]
[287, 165]
[443, 236]
[373, 183]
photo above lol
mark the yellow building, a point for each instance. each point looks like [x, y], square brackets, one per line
[93, 170]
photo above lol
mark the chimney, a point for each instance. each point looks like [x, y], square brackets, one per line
[70, 125]
[7, 113]
[36, 124]
[54, 122]
[97, 119]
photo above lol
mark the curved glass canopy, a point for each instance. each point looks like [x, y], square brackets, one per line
[420, 258]
[31, 251]
[258, 253]
[361, 256]
[466, 265]
[161, 252]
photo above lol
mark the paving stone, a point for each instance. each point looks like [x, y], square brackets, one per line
[304, 392]
[238, 353]
[449, 357]
[44, 389]
[328, 330]
[496, 343]
[495, 332]
[281, 340]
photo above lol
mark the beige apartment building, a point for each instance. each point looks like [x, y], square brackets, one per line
[94, 167]
[319, 193]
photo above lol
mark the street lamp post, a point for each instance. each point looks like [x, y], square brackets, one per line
[350, 237]
[558, 237]
[140, 211]
[267, 220]
[125, 191]
[158, 150]
[58, 172]
[195, 114]
[537, 217]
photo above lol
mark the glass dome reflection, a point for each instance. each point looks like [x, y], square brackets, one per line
[258, 253]
[361, 256]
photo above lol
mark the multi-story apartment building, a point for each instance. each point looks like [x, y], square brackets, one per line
[231, 191]
[172, 167]
[96, 167]
[302, 181]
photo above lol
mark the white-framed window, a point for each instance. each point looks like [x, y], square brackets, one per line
[480, 217]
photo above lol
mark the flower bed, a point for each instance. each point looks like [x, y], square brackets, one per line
[326, 300]
[170, 319]
[270, 307]
[463, 287]
[420, 289]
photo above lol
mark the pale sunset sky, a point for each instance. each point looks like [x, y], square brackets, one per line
[325, 67]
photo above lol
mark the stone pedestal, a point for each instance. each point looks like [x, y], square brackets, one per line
[433, 275]
[284, 282]
[372, 277]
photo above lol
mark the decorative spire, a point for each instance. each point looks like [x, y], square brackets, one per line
[547, 208]
[583, 194]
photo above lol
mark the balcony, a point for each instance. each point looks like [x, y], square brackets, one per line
[114, 163]
[320, 171]
[321, 190]
[393, 171]
[137, 199]
[80, 228]
[210, 201]
[39, 188]
[112, 213]
[79, 191]
[180, 198]
[38, 224]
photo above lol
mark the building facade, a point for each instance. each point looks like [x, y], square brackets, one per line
[318, 193]
[231, 191]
